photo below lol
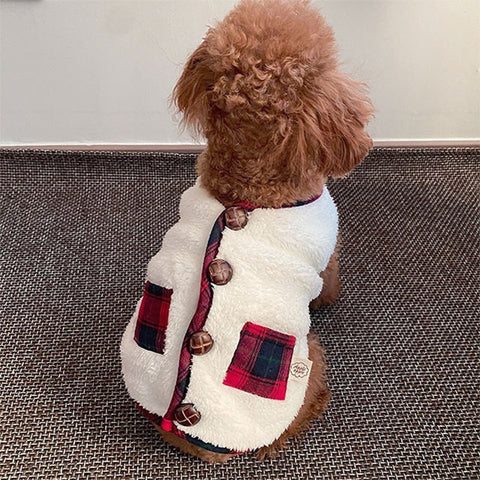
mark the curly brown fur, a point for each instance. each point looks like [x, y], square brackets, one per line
[279, 118]
[331, 282]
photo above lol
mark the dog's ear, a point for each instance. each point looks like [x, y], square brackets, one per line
[331, 125]
[190, 94]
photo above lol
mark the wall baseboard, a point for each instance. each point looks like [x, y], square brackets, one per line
[433, 143]
[197, 148]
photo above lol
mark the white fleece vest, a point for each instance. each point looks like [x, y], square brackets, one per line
[276, 260]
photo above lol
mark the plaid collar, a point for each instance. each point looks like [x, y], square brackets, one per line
[298, 203]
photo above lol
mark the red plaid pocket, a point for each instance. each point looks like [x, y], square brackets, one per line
[152, 318]
[261, 362]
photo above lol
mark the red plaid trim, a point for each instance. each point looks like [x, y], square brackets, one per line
[261, 362]
[298, 203]
[199, 318]
[152, 318]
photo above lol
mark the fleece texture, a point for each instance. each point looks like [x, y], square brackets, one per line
[276, 260]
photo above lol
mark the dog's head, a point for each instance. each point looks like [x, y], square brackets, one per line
[264, 81]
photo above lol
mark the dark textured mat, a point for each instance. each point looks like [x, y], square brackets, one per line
[77, 230]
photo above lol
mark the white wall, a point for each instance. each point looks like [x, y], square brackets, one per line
[99, 72]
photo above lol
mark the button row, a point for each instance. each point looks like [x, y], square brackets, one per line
[220, 273]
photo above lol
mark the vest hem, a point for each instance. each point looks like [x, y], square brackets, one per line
[157, 421]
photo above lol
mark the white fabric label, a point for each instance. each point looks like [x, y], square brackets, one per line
[300, 369]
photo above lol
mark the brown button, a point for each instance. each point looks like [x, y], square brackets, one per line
[200, 342]
[236, 218]
[187, 415]
[220, 272]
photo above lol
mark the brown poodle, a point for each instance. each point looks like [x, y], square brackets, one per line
[279, 118]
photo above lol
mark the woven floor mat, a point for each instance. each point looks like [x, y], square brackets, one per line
[77, 230]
